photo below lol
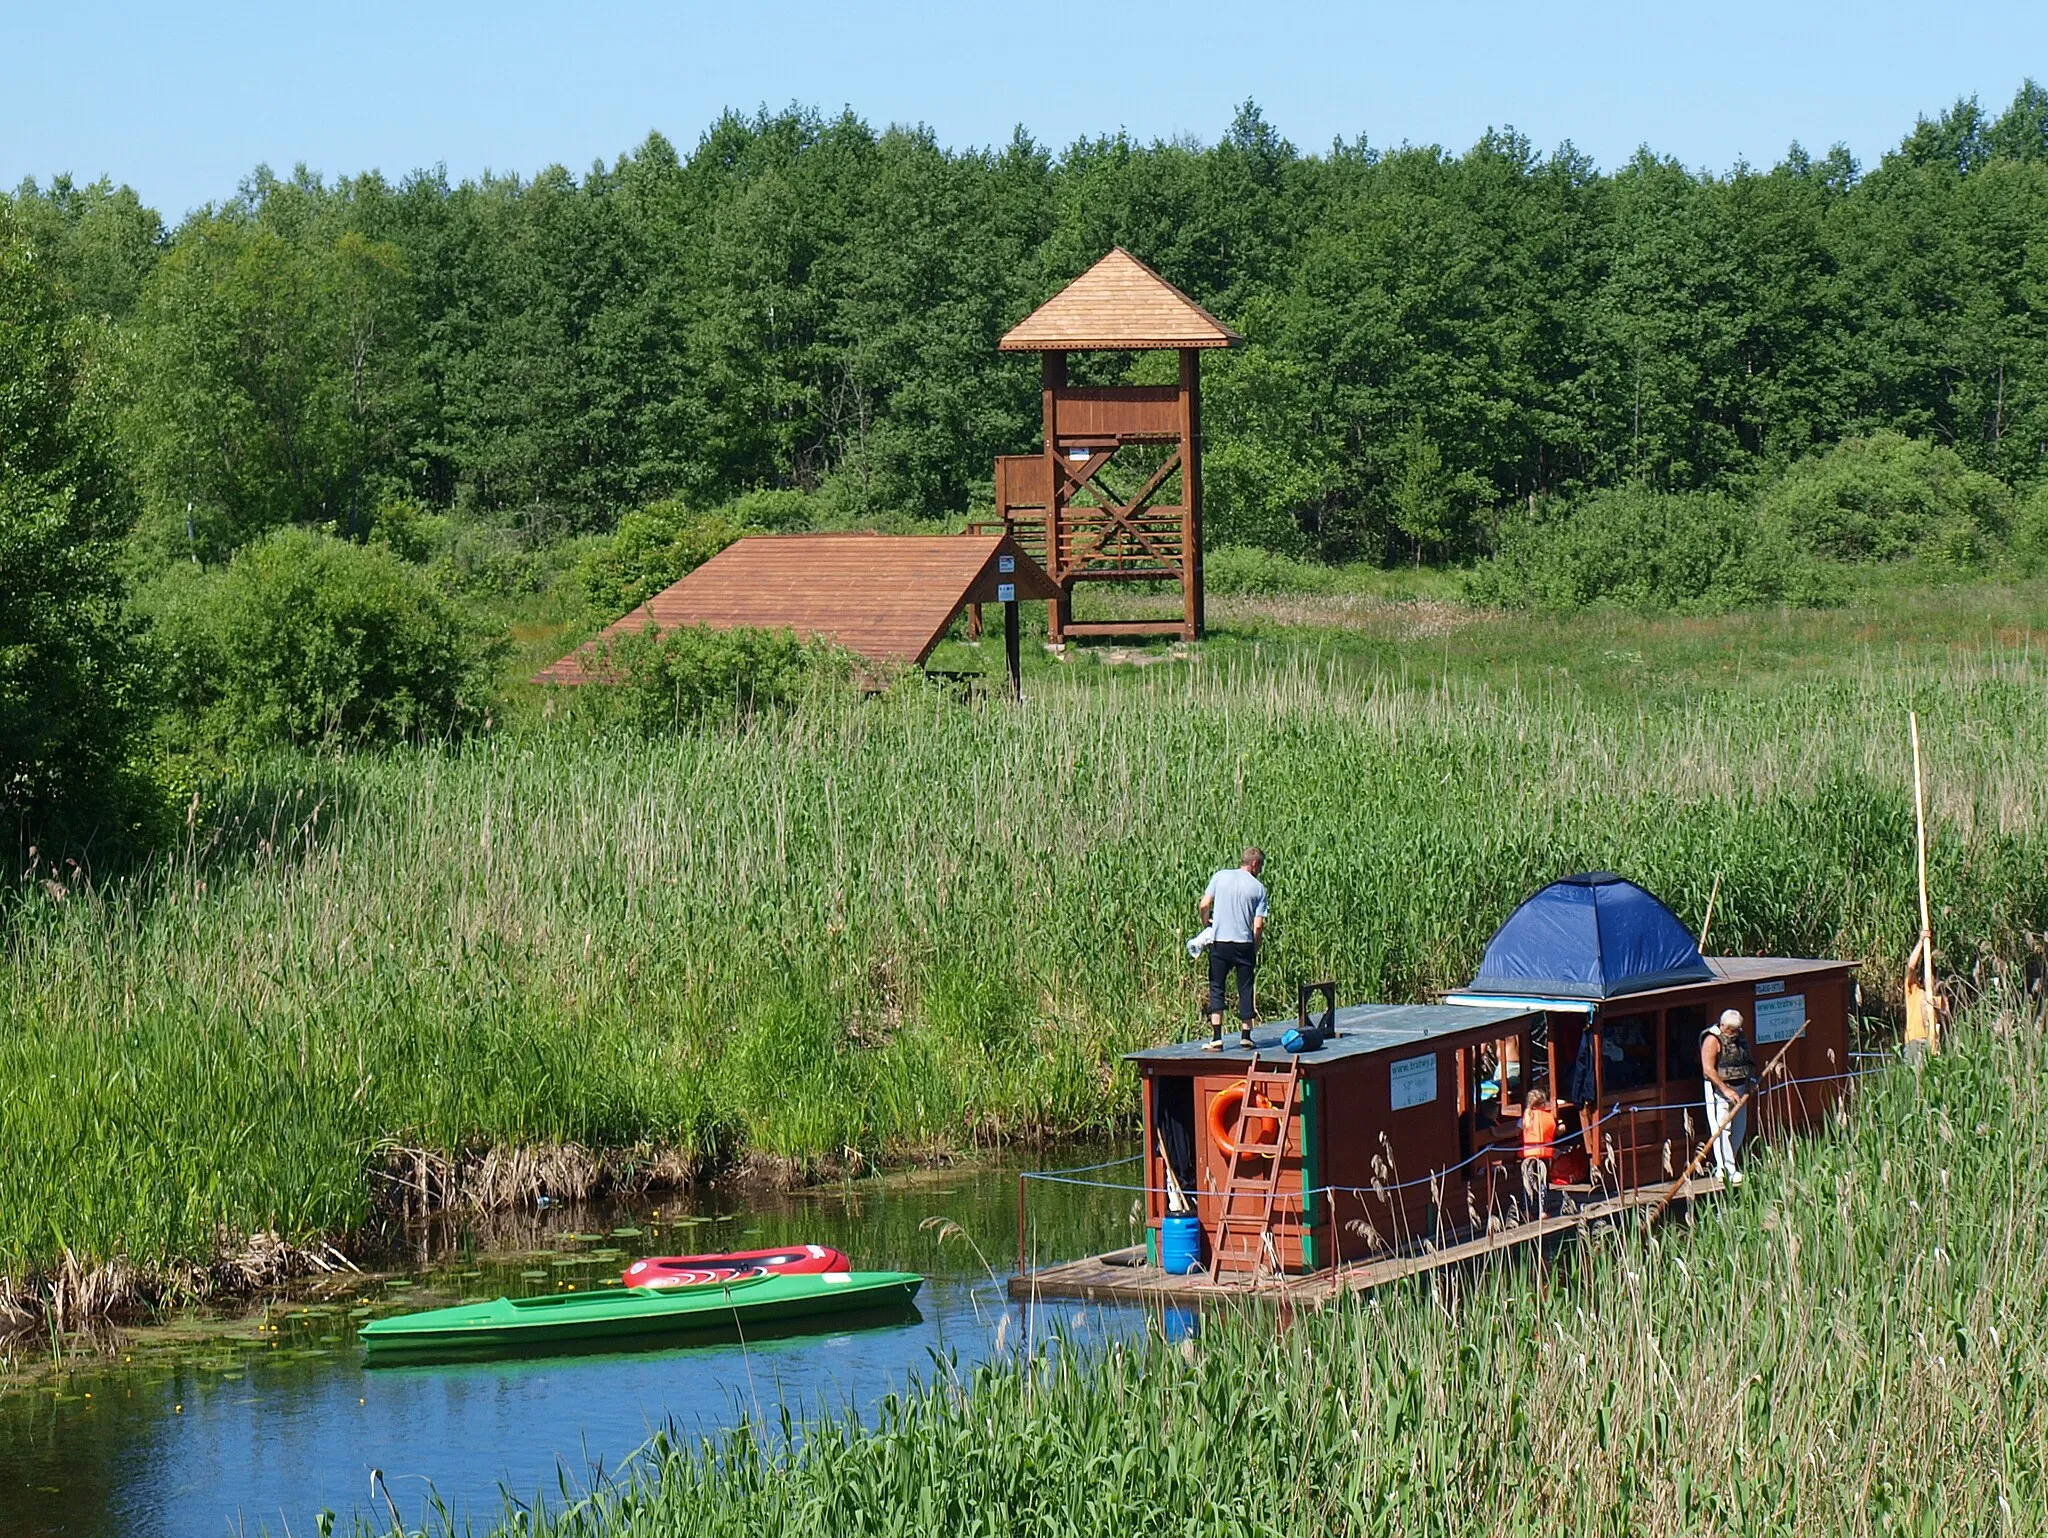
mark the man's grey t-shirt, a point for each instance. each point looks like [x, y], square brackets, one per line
[1240, 897]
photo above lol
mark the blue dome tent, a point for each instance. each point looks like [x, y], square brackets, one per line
[1590, 936]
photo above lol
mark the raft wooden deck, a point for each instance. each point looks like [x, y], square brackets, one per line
[1123, 1276]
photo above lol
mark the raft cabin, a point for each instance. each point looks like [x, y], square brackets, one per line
[1377, 1131]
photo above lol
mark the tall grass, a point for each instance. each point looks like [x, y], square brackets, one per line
[1854, 1345]
[868, 930]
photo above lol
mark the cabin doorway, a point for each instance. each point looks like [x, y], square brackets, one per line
[1173, 1118]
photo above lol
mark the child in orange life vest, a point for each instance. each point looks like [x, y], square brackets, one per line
[1541, 1162]
[1539, 1143]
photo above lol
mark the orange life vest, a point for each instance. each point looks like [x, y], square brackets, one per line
[1539, 1133]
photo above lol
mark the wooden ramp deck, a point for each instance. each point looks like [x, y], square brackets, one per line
[1123, 1276]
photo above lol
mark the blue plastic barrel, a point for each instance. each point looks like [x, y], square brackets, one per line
[1180, 1243]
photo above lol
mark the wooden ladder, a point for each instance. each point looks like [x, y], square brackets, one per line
[1245, 1212]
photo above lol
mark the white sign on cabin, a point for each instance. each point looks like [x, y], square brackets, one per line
[1006, 563]
[1413, 1081]
[1006, 592]
[1779, 1019]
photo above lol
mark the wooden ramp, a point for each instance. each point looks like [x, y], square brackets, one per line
[1123, 1276]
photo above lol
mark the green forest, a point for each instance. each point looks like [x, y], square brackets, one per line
[1657, 385]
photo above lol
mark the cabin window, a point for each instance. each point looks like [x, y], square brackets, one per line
[1683, 1028]
[1503, 1076]
[1173, 1118]
[1628, 1045]
[1563, 1050]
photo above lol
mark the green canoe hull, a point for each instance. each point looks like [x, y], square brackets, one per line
[617, 1313]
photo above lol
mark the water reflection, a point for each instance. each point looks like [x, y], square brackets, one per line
[259, 1426]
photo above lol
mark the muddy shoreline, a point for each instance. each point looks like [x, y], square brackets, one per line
[412, 1191]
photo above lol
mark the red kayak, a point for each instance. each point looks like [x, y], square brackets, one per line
[695, 1270]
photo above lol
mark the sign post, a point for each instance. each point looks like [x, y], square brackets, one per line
[1012, 644]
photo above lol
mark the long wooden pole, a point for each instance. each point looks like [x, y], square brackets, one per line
[1709, 923]
[1734, 1111]
[1920, 843]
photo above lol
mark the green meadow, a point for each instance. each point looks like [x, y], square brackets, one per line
[868, 931]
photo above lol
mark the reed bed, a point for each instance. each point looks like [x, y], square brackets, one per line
[872, 931]
[1854, 1344]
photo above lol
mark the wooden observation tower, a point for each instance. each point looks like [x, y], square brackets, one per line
[1085, 513]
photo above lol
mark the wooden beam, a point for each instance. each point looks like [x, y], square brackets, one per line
[1053, 375]
[1124, 627]
[1121, 513]
[1079, 479]
[1193, 608]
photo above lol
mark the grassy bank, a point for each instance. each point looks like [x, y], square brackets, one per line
[1854, 1346]
[872, 930]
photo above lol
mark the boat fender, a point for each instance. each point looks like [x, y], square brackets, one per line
[1228, 1113]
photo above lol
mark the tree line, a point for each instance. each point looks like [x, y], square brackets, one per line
[253, 467]
[803, 302]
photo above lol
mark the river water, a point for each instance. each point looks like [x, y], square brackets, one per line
[258, 1423]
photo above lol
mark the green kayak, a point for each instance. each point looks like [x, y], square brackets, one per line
[615, 1313]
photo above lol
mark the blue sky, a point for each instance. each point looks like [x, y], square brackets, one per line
[181, 102]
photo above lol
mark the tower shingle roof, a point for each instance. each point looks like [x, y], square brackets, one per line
[1118, 305]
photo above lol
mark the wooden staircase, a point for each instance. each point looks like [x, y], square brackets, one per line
[1245, 1211]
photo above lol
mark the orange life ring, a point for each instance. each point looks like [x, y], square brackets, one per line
[1228, 1113]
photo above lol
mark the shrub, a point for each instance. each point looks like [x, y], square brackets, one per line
[1885, 497]
[305, 637]
[668, 540]
[1248, 569]
[2028, 543]
[484, 560]
[771, 512]
[1647, 550]
[404, 526]
[672, 680]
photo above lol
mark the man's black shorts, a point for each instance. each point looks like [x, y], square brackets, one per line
[1224, 957]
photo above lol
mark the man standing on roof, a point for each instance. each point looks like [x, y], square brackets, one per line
[1729, 1070]
[1235, 904]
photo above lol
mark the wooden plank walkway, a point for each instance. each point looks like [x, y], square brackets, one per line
[1123, 1276]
